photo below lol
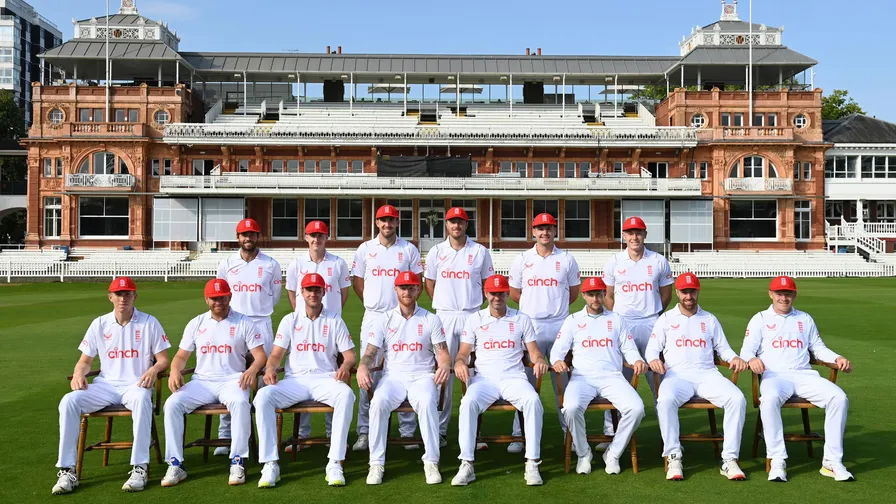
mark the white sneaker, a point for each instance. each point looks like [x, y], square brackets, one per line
[410, 447]
[174, 475]
[465, 474]
[835, 470]
[66, 481]
[481, 446]
[270, 475]
[516, 447]
[222, 451]
[533, 477]
[335, 476]
[583, 466]
[732, 471]
[431, 470]
[778, 471]
[601, 446]
[674, 472]
[136, 481]
[611, 464]
[361, 443]
[375, 474]
[237, 472]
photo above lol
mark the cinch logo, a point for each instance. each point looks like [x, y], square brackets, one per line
[115, 353]
[499, 344]
[215, 349]
[310, 347]
[690, 343]
[245, 287]
[407, 347]
[787, 343]
[542, 282]
[391, 272]
[456, 275]
[633, 287]
[597, 343]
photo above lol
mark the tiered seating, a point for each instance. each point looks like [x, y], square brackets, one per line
[32, 256]
[206, 263]
[525, 119]
[746, 264]
[100, 262]
[359, 118]
[31, 263]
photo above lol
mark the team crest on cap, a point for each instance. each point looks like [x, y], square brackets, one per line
[121, 282]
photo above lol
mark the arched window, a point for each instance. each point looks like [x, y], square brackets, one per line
[103, 163]
[753, 167]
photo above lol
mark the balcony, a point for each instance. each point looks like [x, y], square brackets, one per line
[759, 185]
[88, 130]
[738, 133]
[119, 181]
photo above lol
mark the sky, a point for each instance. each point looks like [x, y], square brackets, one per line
[850, 40]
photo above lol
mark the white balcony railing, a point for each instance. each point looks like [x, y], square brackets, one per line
[105, 180]
[759, 184]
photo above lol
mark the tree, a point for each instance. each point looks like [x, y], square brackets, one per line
[12, 122]
[839, 104]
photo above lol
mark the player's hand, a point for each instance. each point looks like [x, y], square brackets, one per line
[175, 381]
[843, 364]
[364, 380]
[756, 365]
[657, 366]
[737, 365]
[540, 368]
[560, 367]
[270, 376]
[343, 373]
[148, 379]
[462, 371]
[247, 379]
[639, 367]
[442, 375]
[79, 382]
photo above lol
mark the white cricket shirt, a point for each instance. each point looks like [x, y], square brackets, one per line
[334, 271]
[499, 343]
[545, 282]
[312, 344]
[598, 343]
[125, 352]
[408, 343]
[458, 275]
[378, 265]
[256, 285]
[636, 284]
[220, 346]
[783, 342]
[688, 343]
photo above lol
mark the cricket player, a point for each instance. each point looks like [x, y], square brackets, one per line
[777, 346]
[455, 270]
[688, 337]
[499, 335]
[311, 339]
[416, 362]
[599, 341]
[374, 270]
[256, 284]
[544, 280]
[221, 339]
[127, 342]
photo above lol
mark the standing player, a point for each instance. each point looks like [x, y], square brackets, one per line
[599, 340]
[312, 338]
[455, 269]
[689, 337]
[778, 345]
[413, 342]
[127, 341]
[374, 270]
[544, 280]
[221, 339]
[499, 335]
[256, 283]
[335, 274]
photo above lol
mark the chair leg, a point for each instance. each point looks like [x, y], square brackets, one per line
[757, 433]
[296, 422]
[82, 442]
[208, 436]
[633, 448]
[106, 439]
[155, 440]
[478, 426]
[567, 451]
[713, 429]
[768, 465]
[279, 430]
[807, 430]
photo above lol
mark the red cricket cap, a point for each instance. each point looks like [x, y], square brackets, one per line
[407, 278]
[313, 280]
[386, 211]
[217, 287]
[248, 225]
[782, 283]
[456, 213]
[634, 223]
[122, 283]
[544, 219]
[317, 226]
[687, 281]
[593, 284]
[497, 283]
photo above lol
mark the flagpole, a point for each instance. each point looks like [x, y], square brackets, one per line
[750, 76]
[107, 62]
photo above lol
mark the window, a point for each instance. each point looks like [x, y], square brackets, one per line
[835, 210]
[878, 166]
[522, 168]
[753, 219]
[577, 218]
[513, 219]
[886, 211]
[317, 209]
[6, 75]
[474, 166]
[59, 167]
[758, 119]
[161, 117]
[698, 120]
[103, 163]
[292, 166]
[325, 166]
[771, 119]
[802, 219]
[470, 207]
[753, 167]
[505, 167]
[618, 167]
[537, 170]
[735, 119]
[126, 115]
[584, 169]
[800, 121]
[348, 219]
[546, 206]
[203, 166]
[569, 170]
[698, 169]
[285, 218]
[277, 166]
[802, 170]
[310, 166]
[103, 217]
[405, 217]
[6, 54]
[243, 166]
[48, 167]
[358, 166]
[90, 115]
[726, 119]
[553, 169]
[431, 218]
[52, 217]
[658, 170]
[160, 167]
[841, 167]
[738, 119]
[341, 166]
[56, 116]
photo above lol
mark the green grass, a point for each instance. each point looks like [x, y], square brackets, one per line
[43, 323]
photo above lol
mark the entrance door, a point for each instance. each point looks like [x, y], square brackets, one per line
[432, 224]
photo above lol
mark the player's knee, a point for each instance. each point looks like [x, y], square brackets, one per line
[345, 395]
[839, 400]
[737, 401]
[770, 402]
[263, 397]
[635, 409]
[533, 402]
[69, 403]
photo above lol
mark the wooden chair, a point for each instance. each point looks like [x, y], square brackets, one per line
[596, 404]
[795, 401]
[109, 413]
[698, 402]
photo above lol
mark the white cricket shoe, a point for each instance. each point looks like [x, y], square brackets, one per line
[601, 446]
[67, 480]
[778, 471]
[611, 464]
[731, 470]
[533, 477]
[335, 476]
[481, 446]
[674, 471]
[270, 475]
[237, 472]
[515, 447]
[174, 475]
[465, 474]
[835, 470]
[375, 474]
[361, 443]
[136, 480]
[583, 466]
[222, 451]
[431, 470]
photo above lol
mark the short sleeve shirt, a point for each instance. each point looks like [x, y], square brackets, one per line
[499, 343]
[255, 285]
[458, 275]
[220, 346]
[312, 344]
[636, 284]
[127, 351]
[545, 282]
[334, 271]
[378, 265]
[408, 344]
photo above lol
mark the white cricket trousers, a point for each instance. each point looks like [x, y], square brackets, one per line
[776, 388]
[97, 396]
[453, 324]
[641, 327]
[546, 334]
[612, 387]
[481, 393]
[198, 392]
[678, 388]
[267, 332]
[407, 424]
[421, 392]
[288, 391]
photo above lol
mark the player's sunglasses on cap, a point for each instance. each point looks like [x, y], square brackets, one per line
[248, 226]
[782, 283]
[544, 219]
[313, 280]
[122, 283]
[407, 278]
[634, 223]
[497, 283]
[456, 213]
[317, 227]
[217, 287]
[386, 211]
[687, 281]
[591, 284]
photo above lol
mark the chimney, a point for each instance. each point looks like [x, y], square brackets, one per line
[539, 51]
[338, 49]
[527, 51]
[328, 50]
